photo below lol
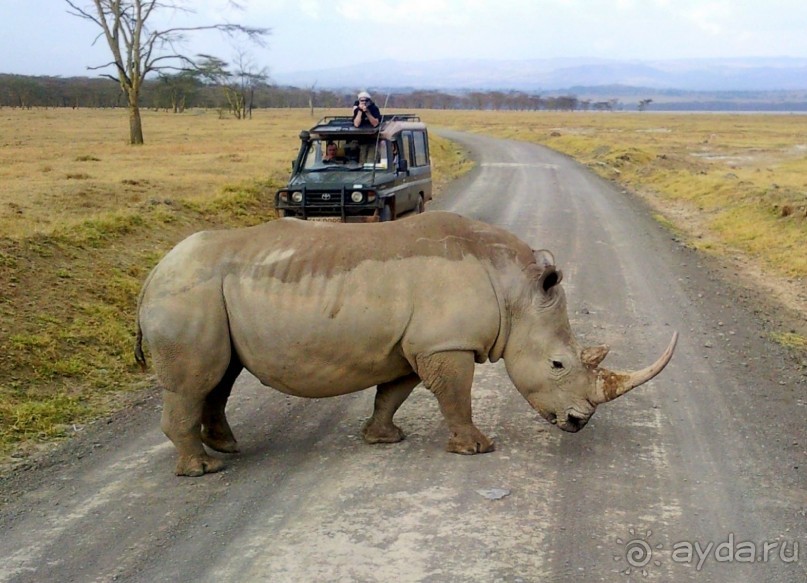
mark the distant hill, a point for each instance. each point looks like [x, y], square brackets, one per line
[552, 75]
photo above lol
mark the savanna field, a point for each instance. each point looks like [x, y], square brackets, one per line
[84, 216]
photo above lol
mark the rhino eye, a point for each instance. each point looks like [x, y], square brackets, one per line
[557, 365]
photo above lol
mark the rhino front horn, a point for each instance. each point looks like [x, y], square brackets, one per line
[611, 385]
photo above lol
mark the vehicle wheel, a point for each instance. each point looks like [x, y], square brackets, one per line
[421, 206]
[386, 214]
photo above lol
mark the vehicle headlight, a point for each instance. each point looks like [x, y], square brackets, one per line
[371, 196]
[357, 196]
[283, 196]
[297, 196]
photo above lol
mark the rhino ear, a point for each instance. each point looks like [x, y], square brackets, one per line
[543, 258]
[546, 273]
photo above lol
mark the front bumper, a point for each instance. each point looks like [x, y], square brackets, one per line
[329, 206]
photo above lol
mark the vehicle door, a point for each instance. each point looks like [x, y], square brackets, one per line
[403, 200]
[420, 173]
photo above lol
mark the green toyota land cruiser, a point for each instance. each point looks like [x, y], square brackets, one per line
[366, 174]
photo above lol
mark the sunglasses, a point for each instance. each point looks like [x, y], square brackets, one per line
[363, 99]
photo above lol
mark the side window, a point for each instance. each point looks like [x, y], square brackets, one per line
[421, 149]
[381, 156]
[406, 139]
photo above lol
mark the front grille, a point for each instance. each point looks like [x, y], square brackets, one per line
[324, 198]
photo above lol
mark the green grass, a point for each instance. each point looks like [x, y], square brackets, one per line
[790, 340]
[45, 418]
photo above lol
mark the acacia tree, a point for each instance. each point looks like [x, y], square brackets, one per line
[138, 49]
[178, 89]
[237, 85]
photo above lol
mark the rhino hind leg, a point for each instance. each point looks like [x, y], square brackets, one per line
[216, 432]
[389, 397]
[182, 423]
[449, 375]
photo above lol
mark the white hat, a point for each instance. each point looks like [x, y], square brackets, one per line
[364, 94]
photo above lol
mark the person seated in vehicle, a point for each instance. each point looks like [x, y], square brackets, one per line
[332, 154]
[365, 112]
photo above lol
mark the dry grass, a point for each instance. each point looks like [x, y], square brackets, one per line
[734, 183]
[84, 216]
[60, 166]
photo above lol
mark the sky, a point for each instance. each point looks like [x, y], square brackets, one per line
[39, 37]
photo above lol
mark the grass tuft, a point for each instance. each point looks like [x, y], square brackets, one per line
[40, 418]
[790, 340]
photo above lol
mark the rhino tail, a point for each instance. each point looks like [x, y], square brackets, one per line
[138, 347]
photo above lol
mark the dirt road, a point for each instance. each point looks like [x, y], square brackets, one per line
[701, 475]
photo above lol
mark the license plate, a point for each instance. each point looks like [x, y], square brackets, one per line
[326, 219]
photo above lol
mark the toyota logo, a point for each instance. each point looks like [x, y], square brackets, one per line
[326, 196]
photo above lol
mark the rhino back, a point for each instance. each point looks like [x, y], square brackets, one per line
[309, 304]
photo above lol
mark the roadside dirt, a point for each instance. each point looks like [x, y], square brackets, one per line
[783, 300]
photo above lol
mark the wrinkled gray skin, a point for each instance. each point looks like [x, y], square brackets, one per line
[319, 310]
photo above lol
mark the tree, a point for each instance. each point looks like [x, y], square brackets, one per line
[644, 103]
[238, 85]
[138, 50]
[177, 90]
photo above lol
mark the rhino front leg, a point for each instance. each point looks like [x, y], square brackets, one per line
[388, 398]
[449, 375]
[182, 424]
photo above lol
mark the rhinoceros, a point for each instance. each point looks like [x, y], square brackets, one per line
[318, 310]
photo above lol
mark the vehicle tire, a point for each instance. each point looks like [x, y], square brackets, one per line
[386, 214]
[421, 206]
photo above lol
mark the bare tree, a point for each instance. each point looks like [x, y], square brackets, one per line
[138, 50]
[312, 93]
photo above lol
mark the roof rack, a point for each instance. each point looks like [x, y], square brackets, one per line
[340, 121]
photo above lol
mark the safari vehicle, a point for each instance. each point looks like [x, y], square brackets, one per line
[366, 174]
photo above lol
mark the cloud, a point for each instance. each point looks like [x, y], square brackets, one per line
[712, 18]
[405, 11]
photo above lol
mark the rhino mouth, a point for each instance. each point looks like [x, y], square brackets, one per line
[569, 422]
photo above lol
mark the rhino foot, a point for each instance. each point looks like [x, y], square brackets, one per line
[198, 465]
[470, 443]
[220, 443]
[377, 433]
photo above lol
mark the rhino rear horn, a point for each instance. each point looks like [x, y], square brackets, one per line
[592, 356]
[611, 385]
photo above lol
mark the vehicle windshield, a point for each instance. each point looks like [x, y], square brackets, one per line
[351, 154]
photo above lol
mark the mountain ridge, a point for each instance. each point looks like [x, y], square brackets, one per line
[708, 74]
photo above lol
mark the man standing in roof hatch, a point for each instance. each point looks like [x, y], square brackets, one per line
[365, 112]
